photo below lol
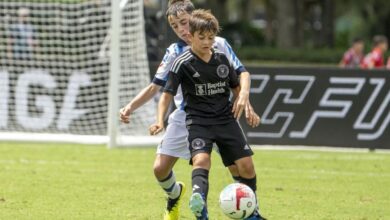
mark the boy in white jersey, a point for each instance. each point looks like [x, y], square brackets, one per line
[205, 77]
[174, 144]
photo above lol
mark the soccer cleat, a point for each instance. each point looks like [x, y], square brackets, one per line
[255, 216]
[173, 205]
[197, 206]
[204, 215]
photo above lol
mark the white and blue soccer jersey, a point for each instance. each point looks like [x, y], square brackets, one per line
[176, 49]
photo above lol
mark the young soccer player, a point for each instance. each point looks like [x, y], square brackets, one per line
[205, 76]
[375, 59]
[174, 144]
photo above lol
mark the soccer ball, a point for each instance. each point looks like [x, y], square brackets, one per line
[237, 201]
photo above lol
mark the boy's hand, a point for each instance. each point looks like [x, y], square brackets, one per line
[252, 118]
[156, 128]
[124, 115]
[240, 104]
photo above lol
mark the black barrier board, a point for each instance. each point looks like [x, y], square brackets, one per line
[320, 107]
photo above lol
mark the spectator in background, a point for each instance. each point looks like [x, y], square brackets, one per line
[22, 40]
[353, 57]
[375, 59]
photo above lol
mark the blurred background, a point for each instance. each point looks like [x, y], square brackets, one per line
[293, 50]
[265, 31]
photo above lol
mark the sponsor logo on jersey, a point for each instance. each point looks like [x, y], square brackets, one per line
[223, 71]
[210, 88]
[201, 89]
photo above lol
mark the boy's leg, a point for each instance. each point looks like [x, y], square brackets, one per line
[166, 179]
[163, 172]
[200, 145]
[200, 185]
[234, 172]
[173, 146]
[235, 150]
[248, 177]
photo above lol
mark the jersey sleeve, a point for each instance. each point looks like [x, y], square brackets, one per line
[161, 76]
[225, 47]
[174, 80]
[234, 81]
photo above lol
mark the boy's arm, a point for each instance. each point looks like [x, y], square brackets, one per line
[144, 96]
[251, 117]
[170, 90]
[236, 92]
[163, 105]
[242, 99]
[151, 90]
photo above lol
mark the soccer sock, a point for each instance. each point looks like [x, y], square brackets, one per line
[252, 183]
[170, 186]
[200, 182]
[236, 179]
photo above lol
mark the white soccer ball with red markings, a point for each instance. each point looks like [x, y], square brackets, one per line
[237, 201]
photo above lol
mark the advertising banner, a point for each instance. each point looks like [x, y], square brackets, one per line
[321, 107]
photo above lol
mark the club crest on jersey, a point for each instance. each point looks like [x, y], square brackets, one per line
[198, 143]
[223, 71]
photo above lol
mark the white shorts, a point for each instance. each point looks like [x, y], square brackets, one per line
[175, 139]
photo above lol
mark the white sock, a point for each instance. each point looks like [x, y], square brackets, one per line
[170, 186]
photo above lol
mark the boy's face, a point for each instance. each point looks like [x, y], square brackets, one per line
[180, 26]
[384, 46]
[358, 46]
[202, 42]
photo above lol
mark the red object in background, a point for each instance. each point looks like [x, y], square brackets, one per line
[374, 59]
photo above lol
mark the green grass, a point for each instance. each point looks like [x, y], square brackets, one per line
[58, 181]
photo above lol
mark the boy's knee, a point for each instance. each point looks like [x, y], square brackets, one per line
[246, 168]
[201, 161]
[160, 172]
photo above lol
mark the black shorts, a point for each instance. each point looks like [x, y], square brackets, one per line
[229, 138]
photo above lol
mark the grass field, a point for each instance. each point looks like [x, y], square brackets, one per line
[57, 181]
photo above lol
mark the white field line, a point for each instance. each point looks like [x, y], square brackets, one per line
[317, 148]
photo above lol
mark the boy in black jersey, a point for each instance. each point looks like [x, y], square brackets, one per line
[206, 78]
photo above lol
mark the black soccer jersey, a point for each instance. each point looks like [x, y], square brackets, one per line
[205, 87]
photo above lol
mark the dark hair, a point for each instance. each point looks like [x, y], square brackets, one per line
[175, 7]
[357, 40]
[171, 2]
[378, 39]
[203, 21]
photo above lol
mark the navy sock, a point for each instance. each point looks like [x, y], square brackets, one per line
[236, 179]
[252, 183]
[200, 182]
